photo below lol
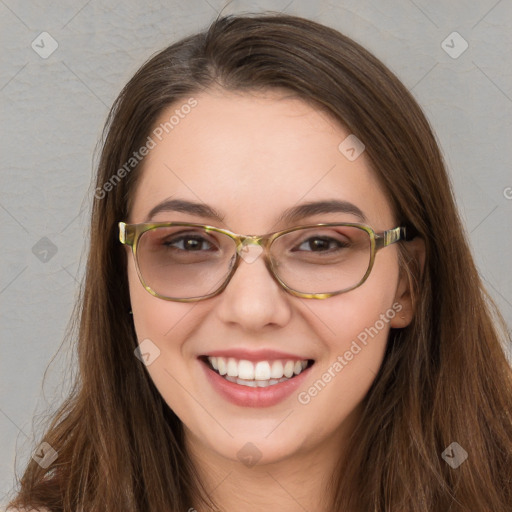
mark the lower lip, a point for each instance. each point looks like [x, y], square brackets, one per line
[253, 397]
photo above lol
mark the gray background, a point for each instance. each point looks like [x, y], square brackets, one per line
[53, 110]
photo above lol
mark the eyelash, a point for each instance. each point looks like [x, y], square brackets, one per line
[199, 238]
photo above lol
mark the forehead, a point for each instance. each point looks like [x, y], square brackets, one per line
[250, 156]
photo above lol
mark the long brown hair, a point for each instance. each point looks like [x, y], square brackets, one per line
[445, 378]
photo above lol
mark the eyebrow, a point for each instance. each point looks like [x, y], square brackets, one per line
[290, 215]
[184, 206]
[318, 207]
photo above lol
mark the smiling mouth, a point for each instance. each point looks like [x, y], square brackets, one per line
[260, 374]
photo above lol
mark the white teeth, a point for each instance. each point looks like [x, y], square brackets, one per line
[221, 362]
[255, 383]
[250, 383]
[262, 370]
[288, 368]
[245, 370]
[262, 373]
[232, 368]
[277, 370]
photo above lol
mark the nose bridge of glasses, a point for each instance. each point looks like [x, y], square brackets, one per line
[245, 242]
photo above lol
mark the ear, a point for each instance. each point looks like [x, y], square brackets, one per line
[416, 251]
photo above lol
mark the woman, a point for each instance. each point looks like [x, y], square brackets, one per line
[348, 360]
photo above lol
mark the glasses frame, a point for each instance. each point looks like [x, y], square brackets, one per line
[129, 234]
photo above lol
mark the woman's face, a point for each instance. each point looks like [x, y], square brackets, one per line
[250, 157]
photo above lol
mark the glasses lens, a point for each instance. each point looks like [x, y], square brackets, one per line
[183, 261]
[322, 259]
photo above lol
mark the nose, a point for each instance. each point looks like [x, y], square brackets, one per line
[253, 299]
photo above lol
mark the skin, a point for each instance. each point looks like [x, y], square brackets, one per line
[250, 156]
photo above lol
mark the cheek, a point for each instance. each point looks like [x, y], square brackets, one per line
[344, 317]
[355, 332]
[354, 328]
[152, 317]
[167, 324]
[162, 327]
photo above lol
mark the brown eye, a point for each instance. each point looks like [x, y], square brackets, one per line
[188, 243]
[320, 244]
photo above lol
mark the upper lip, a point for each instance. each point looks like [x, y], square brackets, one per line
[255, 355]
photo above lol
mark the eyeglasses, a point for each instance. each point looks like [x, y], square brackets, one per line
[188, 262]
